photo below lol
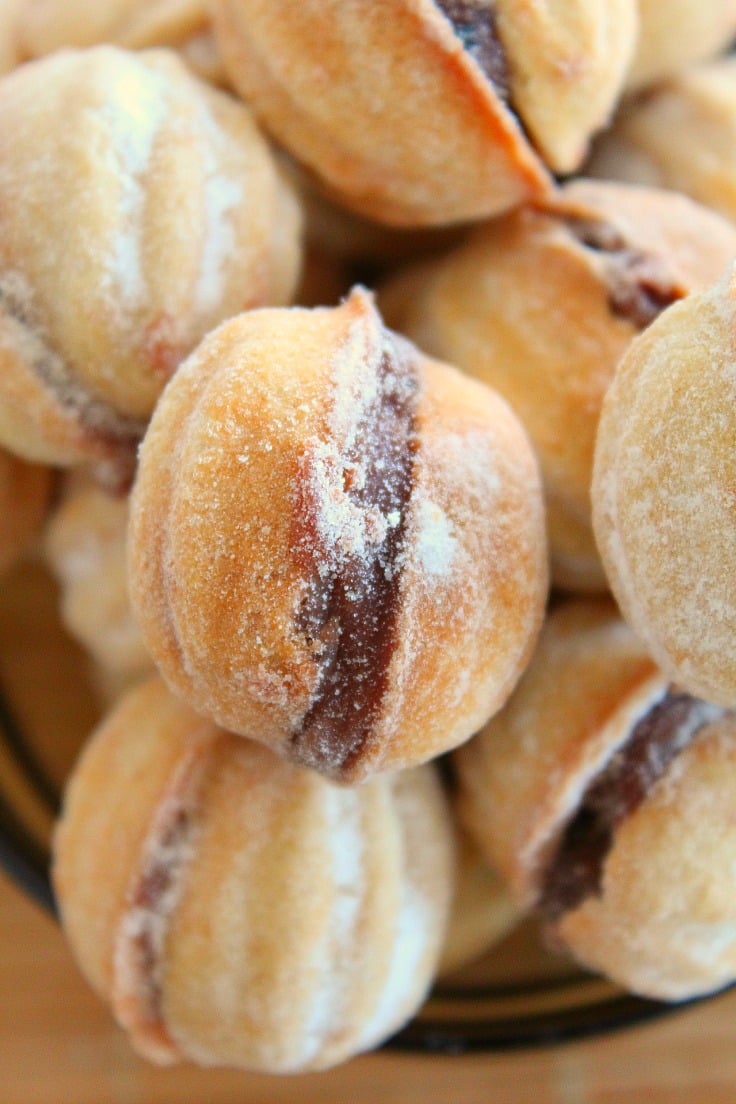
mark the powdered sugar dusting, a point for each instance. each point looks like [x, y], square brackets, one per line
[353, 493]
[436, 544]
[354, 378]
[335, 956]
[415, 919]
[663, 492]
[24, 337]
[135, 108]
[222, 196]
[138, 957]
[343, 528]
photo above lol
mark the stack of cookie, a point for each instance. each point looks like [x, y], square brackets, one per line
[319, 515]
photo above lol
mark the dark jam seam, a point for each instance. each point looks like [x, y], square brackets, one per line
[639, 284]
[120, 433]
[477, 28]
[575, 872]
[155, 884]
[145, 920]
[350, 613]
[97, 415]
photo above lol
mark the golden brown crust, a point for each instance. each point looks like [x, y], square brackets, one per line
[256, 916]
[254, 455]
[183, 220]
[396, 117]
[663, 489]
[352, 238]
[542, 304]
[475, 576]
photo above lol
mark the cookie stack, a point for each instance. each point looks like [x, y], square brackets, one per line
[318, 516]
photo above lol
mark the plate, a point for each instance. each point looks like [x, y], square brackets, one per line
[520, 995]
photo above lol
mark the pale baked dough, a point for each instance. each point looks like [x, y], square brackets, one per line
[49, 25]
[542, 304]
[676, 33]
[483, 909]
[681, 135]
[602, 793]
[43, 26]
[664, 486]
[236, 910]
[10, 48]
[567, 60]
[85, 546]
[138, 208]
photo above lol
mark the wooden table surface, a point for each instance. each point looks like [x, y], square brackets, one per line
[58, 1046]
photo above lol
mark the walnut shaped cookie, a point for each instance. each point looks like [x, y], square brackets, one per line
[602, 792]
[542, 304]
[138, 208]
[236, 910]
[336, 544]
[418, 113]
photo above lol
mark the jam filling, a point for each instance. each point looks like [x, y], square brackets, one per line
[349, 615]
[576, 871]
[121, 434]
[149, 907]
[640, 286]
[154, 894]
[476, 27]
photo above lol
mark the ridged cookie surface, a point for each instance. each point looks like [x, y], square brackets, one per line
[236, 910]
[336, 544]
